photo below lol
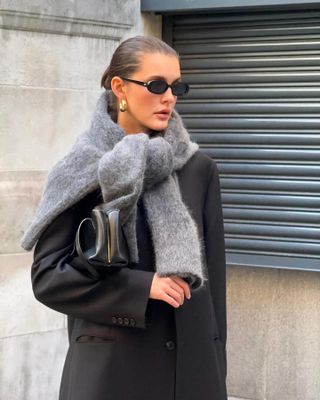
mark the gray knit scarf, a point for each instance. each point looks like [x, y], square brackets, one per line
[127, 167]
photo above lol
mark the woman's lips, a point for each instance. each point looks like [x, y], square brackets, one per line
[163, 115]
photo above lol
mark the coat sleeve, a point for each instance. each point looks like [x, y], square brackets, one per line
[215, 251]
[64, 283]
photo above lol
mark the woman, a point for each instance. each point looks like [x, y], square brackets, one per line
[157, 329]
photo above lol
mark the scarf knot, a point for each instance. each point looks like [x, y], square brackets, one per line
[129, 168]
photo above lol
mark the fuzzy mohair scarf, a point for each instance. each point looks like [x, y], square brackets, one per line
[127, 167]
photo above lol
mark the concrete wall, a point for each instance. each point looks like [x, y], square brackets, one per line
[274, 334]
[53, 54]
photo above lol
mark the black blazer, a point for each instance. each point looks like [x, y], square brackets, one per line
[121, 342]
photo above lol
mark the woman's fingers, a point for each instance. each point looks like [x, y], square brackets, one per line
[183, 284]
[169, 289]
[176, 293]
[170, 300]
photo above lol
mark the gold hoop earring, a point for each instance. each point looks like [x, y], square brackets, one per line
[123, 106]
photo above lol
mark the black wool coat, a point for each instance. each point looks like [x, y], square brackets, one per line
[124, 345]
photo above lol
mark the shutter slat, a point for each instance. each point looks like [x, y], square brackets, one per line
[215, 122]
[214, 63]
[276, 232]
[269, 201]
[270, 170]
[255, 154]
[252, 93]
[273, 247]
[292, 18]
[244, 47]
[279, 185]
[253, 77]
[267, 139]
[267, 33]
[250, 108]
[279, 217]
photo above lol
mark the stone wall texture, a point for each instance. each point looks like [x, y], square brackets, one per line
[52, 56]
[274, 334]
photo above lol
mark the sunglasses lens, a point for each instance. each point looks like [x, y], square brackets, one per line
[158, 86]
[180, 88]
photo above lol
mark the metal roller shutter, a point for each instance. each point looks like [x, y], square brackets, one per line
[254, 107]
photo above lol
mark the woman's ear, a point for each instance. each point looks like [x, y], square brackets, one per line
[118, 88]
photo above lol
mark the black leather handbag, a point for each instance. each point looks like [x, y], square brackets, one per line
[100, 240]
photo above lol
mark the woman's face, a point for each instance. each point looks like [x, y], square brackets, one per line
[147, 111]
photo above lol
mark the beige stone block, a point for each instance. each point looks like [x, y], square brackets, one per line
[41, 61]
[249, 293]
[20, 312]
[31, 365]
[293, 357]
[38, 126]
[20, 193]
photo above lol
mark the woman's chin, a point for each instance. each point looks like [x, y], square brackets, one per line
[159, 126]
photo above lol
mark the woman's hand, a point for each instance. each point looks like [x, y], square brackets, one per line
[171, 289]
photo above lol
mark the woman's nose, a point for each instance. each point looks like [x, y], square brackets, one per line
[168, 96]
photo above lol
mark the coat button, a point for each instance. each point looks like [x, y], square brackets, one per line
[114, 320]
[170, 345]
[126, 321]
[132, 321]
[120, 321]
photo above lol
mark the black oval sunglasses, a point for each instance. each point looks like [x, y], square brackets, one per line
[159, 86]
